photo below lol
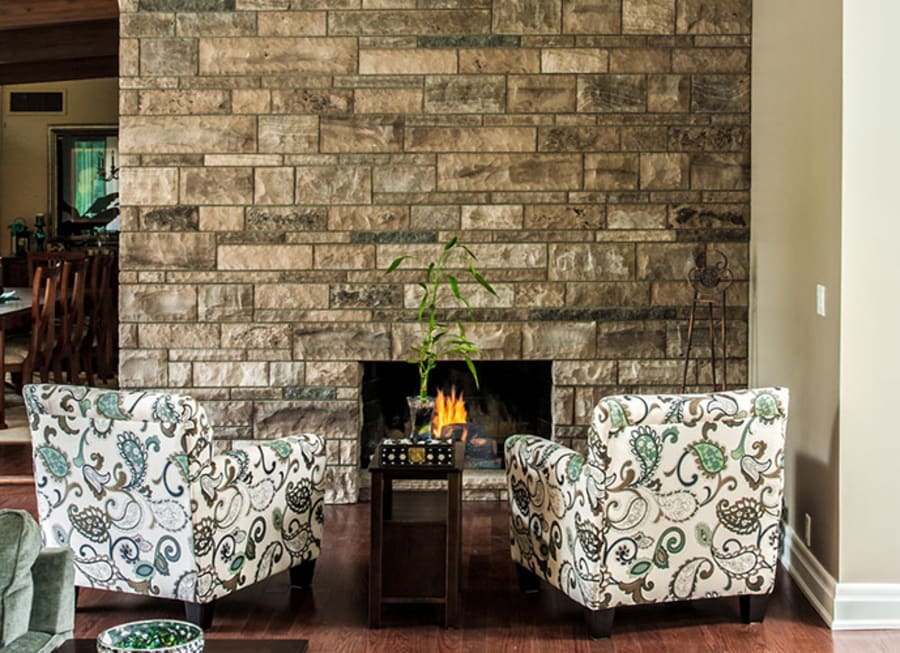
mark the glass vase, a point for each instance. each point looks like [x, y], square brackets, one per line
[421, 410]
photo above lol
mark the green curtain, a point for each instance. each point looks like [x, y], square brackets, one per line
[88, 185]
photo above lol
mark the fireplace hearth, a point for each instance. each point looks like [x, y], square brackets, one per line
[513, 397]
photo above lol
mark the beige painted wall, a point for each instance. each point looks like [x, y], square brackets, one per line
[870, 276]
[796, 231]
[23, 144]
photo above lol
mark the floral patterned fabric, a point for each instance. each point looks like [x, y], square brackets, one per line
[679, 498]
[129, 481]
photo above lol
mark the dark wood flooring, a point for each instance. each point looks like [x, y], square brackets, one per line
[496, 616]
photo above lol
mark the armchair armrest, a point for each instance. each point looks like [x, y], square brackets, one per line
[257, 510]
[556, 502]
[53, 608]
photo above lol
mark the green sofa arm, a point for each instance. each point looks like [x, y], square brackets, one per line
[53, 609]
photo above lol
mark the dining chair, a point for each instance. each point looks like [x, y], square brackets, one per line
[67, 354]
[24, 357]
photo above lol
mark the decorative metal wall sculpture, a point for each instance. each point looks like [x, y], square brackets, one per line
[709, 281]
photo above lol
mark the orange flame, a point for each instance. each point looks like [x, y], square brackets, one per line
[448, 409]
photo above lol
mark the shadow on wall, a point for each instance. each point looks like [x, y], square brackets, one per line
[814, 485]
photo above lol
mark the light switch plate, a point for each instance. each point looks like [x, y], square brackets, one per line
[820, 299]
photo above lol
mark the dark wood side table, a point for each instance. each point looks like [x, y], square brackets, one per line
[416, 546]
[209, 646]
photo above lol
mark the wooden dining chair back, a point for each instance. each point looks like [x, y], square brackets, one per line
[67, 355]
[45, 259]
[38, 356]
[99, 345]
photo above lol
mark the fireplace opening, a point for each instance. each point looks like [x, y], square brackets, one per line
[513, 397]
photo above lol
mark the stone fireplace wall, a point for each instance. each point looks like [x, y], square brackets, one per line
[278, 154]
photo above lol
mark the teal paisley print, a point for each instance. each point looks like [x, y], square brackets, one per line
[129, 481]
[661, 508]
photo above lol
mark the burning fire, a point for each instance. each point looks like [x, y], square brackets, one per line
[448, 409]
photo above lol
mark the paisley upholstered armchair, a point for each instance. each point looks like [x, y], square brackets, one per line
[129, 482]
[679, 497]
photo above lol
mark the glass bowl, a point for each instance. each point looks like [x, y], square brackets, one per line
[156, 635]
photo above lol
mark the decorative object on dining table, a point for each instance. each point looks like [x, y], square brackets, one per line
[20, 237]
[8, 296]
[404, 452]
[157, 635]
[440, 339]
[710, 283]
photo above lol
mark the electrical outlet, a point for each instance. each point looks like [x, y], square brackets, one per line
[820, 299]
[807, 529]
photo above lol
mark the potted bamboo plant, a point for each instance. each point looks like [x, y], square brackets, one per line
[440, 338]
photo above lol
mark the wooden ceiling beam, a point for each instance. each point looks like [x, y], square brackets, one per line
[19, 14]
[60, 42]
[58, 71]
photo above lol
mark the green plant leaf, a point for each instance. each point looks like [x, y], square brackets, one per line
[454, 288]
[472, 371]
[451, 243]
[396, 263]
[469, 253]
[480, 279]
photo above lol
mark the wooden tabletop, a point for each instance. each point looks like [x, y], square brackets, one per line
[210, 646]
[22, 303]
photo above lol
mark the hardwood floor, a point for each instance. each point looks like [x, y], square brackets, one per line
[496, 616]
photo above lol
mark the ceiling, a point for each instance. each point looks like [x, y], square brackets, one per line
[53, 40]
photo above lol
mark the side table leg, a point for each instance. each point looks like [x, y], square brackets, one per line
[375, 552]
[454, 548]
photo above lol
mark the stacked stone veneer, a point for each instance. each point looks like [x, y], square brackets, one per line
[277, 155]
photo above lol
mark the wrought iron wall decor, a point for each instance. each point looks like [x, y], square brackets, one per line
[710, 282]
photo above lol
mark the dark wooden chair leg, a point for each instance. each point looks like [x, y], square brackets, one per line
[529, 583]
[302, 575]
[599, 622]
[200, 614]
[753, 607]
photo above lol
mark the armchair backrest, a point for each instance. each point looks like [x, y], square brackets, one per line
[693, 490]
[113, 473]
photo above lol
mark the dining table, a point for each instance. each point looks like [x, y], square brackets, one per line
[14, 313]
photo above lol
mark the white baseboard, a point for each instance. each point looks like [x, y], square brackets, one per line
[843, 606]
[866, 606]
[811, 577]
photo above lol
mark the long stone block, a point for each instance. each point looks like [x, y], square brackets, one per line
[149, 186]
[230, 374]
[721, 94]
[334, 185]
[648, 16]
[255, 56]
[612, 93]
[158, 303]
[289, 296]
[417, 23]
[469, 139]
[591, 262]
[168, 251]
[264, 257]
[362, 134]
[559, 340]
[578, 139]
[187, 134]
[509, 172]
[256, 336]
[541, 93]
[225, 302]
[164, 336]
[407, 62]
[368, 218]
[288, 134]
[574, 60]
[592, 16]
[576, 216]
[387, 100]
[216, 186]
[465, 94]
[370, 341]
[527, 16]
[714, 16]
[492, 60]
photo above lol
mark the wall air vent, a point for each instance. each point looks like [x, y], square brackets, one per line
[49, 102]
